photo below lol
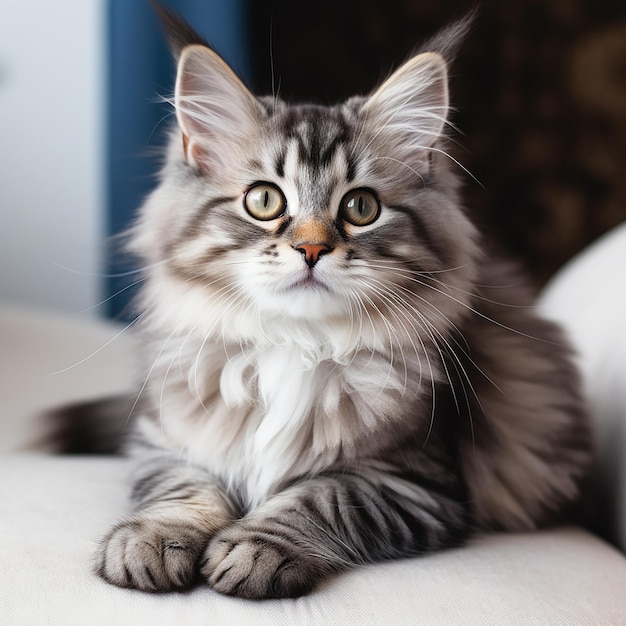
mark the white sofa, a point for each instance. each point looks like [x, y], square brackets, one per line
[53, 509]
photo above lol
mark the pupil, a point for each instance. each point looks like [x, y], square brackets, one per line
[361, 203]
[266, 198]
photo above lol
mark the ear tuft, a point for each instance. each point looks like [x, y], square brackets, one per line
[177, 31]
[449, 40]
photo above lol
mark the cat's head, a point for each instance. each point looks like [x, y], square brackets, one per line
[270, 213]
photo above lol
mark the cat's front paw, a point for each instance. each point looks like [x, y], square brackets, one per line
[150, 554]
[251, 564]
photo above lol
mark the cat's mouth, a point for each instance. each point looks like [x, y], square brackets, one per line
[309, 282]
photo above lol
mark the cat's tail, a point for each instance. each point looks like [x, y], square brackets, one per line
[95, 427]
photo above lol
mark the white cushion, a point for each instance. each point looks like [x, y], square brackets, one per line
[588, 297]
[53, 510]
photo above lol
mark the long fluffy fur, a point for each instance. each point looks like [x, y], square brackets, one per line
[297, 420]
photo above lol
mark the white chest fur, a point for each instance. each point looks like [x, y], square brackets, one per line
[256, 418]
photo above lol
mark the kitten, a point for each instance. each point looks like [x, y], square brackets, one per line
[336, 372]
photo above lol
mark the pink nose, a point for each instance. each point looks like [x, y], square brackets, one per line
[313, 251]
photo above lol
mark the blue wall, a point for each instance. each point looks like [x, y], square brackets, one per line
[140, 69]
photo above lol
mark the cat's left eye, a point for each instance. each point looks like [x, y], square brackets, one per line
[264, 201]
[360, 207]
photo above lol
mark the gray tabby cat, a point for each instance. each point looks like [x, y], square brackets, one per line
[336, 372]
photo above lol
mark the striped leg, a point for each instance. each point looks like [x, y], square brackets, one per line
[329, 523]
[178, 509]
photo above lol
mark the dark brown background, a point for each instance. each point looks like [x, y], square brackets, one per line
[539, 91]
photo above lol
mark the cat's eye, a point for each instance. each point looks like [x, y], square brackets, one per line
[264, 201]
[360, 207]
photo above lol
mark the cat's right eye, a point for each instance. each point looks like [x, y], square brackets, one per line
[264, 201]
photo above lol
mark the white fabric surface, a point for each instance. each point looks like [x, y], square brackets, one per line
[588, 297]
[54, 509]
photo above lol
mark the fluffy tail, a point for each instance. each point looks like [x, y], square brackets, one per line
[98, 427]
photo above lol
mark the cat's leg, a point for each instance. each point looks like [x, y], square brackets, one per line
[329, 523]
[178, 508]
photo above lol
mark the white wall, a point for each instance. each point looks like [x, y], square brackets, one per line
[51, 152]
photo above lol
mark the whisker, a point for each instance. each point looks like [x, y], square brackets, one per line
[430, 329]
[139, 270]
[102, 347]
[399, 162]
[406, 372]
[117, 293]
[390, 331]
[149, 374]
[401, 305]
[476, 312]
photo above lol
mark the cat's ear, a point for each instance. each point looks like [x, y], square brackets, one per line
[215, 111]
[409, 110]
